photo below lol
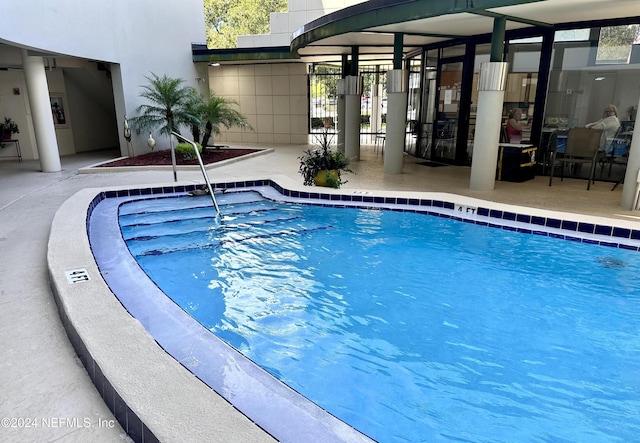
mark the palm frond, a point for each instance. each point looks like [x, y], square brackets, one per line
[219, 112]
[168, 105]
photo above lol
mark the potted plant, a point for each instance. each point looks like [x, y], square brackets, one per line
[7, 128]
[322, 165]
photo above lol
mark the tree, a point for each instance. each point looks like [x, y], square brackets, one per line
[195, 106]
[328, 77]
[227, 19]
[217, 112]
[168, 106]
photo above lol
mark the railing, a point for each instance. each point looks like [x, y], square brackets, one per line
[204, 172]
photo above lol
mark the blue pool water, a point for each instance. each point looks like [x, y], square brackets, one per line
[406, 326]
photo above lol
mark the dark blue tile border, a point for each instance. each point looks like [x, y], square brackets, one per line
[422, 205]
[621, 232]
[569, 225]
[553, 223]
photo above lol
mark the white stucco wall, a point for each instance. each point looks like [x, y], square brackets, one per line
[273, 98]
[10, 101]
[135, 37]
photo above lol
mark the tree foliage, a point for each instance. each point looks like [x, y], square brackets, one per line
[167, 105]
[325, 80]
[215, 113]
[227, 19]
[615, 42]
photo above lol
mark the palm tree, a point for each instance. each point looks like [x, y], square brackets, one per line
[195, 105]
[218, 112]
[168, 106]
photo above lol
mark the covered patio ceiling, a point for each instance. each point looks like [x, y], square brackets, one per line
[371, 25]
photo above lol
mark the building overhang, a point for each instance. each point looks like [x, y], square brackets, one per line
[371, 25]
[201, 53]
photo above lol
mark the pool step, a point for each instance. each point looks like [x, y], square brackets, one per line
[203, 224]
[247, 222]
[169, 203]
[199, 221]
[225, 235]
[161, 226]
[180, 213]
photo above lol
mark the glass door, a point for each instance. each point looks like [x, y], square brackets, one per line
[428, 104]
[449, 78]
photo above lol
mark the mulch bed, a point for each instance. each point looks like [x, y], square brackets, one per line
[163, 158]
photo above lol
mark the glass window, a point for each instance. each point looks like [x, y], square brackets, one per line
[414, 89]
[572, 35]
[588, 75]
[614, 45]
[526, 40]
[453, 51]
[525, 57]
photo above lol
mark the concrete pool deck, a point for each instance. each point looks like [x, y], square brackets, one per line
[41, 375]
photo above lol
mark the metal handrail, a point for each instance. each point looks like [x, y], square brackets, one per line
[204, 172]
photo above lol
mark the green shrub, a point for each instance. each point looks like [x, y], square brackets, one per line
[186, 150]
[317, 123]
[322, 122]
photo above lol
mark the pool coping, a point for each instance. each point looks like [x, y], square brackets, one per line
[112, 344]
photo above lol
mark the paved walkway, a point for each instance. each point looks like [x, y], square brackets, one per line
[41, 380]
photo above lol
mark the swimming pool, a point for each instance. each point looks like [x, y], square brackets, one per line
[480, 369]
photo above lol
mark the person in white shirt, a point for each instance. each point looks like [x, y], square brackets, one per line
[609, 123]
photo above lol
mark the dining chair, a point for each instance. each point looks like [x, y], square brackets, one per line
[583, 146]
[617, 151]
[504, 137]
[549, 146]
[446, 137]
[381, 137]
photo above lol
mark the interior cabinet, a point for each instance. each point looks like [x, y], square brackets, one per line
[521, 87]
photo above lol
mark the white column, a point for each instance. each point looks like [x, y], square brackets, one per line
[341, 117]
[491, 86]
[353, 92]
[45, 132]
[633, 166]
[396, 121]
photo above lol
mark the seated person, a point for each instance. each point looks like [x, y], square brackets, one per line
[514, 127]
[609, 123]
